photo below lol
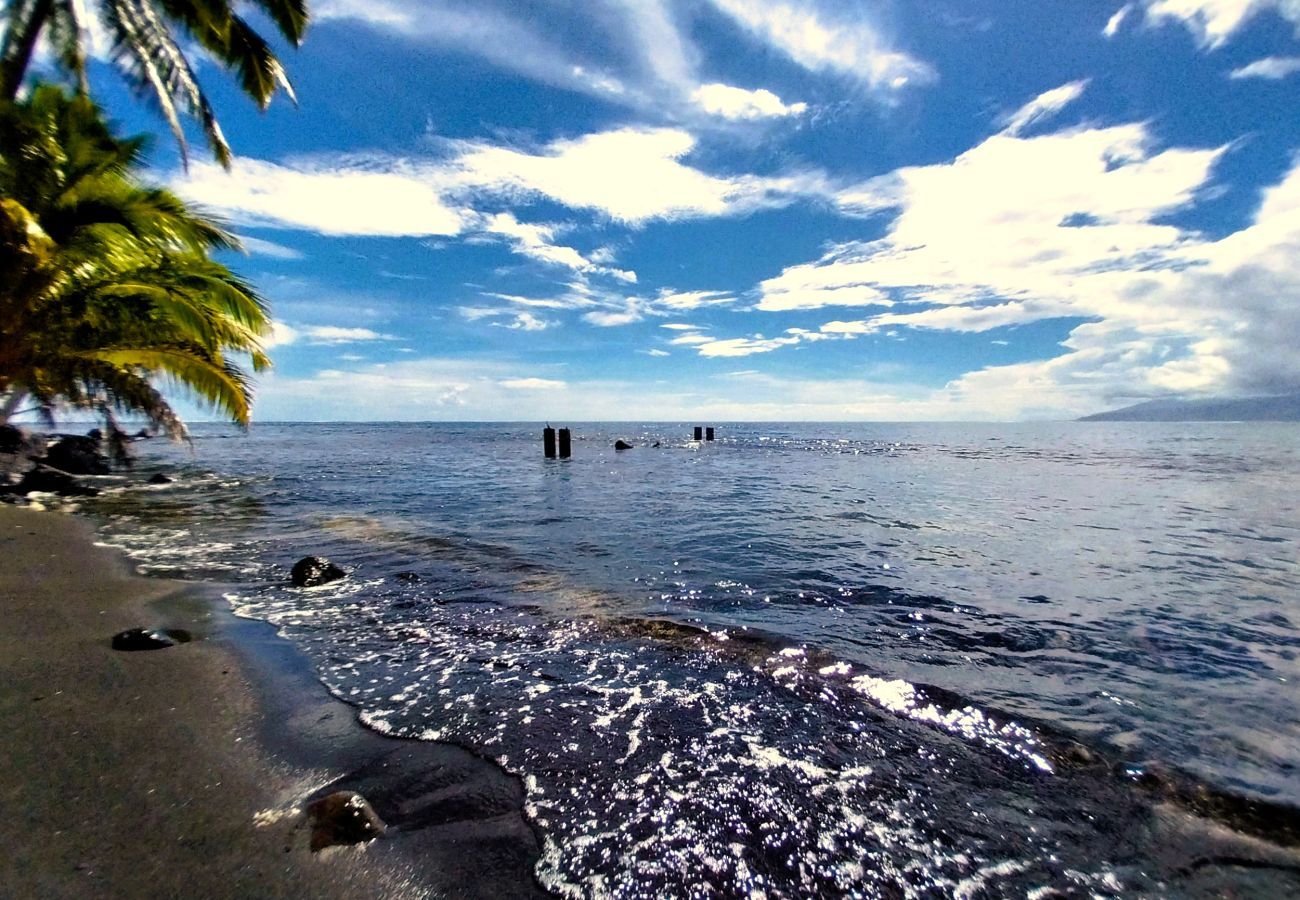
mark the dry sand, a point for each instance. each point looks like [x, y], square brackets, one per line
[181, 771]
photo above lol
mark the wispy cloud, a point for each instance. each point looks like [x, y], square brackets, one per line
[1044, 106]
[823, 41]
[532, 384]
[1118, 19]
[283, 334]
[258, 247]
[1274, 68]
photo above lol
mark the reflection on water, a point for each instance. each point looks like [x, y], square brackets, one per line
[1131, 584]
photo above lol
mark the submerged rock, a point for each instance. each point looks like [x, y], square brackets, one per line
[311, 571]
[51, 482]
[149, 638]
[78, 455]
[343, 817]
[159, 478]
[622, 445]
[408, 577]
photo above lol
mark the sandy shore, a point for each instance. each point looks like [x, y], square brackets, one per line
[182, 771]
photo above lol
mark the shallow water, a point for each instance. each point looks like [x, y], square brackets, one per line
[704, 659]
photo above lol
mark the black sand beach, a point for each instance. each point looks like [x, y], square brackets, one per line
[183, 771]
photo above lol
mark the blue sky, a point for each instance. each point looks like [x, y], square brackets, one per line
[767, 209]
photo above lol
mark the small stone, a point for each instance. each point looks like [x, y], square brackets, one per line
[311, 571]
[148, 638]
[343, 817]
[159, 478]
[622, 445]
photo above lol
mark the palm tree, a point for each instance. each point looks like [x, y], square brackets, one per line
[146, 40]
[109, 283]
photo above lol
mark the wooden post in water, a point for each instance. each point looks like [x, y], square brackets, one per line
[699, 433]
[566, 450]
[708, 433]
[548, 442]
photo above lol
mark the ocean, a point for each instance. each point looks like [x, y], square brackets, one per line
[803, 659]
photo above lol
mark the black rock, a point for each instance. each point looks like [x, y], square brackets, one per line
[622, 445]
[149, 638]
[13, 439]
[78, 455]
[159, 478]
[407, 577]
[311, 571]
[343, 817]
[51, 482]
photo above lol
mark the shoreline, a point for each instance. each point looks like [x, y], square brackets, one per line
[183, 771]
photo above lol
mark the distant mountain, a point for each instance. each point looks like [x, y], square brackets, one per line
[1248, 409]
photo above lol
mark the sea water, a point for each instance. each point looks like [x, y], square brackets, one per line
[800, 659]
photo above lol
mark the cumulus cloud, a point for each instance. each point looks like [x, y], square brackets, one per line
[1274, 68]
[1213, 22]
[739, 104]
[825, 42]
[1069, 225]
[631, 175]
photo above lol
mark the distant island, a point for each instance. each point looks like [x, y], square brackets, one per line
[1285, 408]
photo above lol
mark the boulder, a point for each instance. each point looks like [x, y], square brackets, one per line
[159, 478]
[622, 445]
[50, 482]
[149, 638]
[14, 439]
[78, 455]
[343, 817]
[311, 571]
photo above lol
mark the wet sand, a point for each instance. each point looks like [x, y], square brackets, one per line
[182, 771]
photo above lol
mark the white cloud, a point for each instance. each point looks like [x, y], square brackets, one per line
[802, 288]
[493, 31]
[1213, 22]
[693, 337]
[526, 321]
[632, 175]
[335, 334]
[1270, 67]
[680, 326]
[283, 334]
[1044, 106]
[826, 43]
[258, 247]
[338, 197]
[656, 352]
[1069, 224]
[612, 319]
[1114, 22]
[678, 300]
[734, 347]
[532, 384]
[739, 104]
